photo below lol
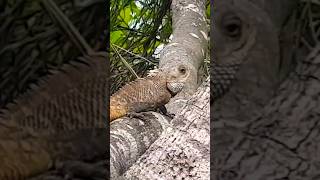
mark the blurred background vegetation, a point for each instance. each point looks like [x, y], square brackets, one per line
[31, 44]
[308, 23]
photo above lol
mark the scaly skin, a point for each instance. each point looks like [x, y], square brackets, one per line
[140, 95]
[61, 118]
[147, 93]
[55, 121]
[21, 154]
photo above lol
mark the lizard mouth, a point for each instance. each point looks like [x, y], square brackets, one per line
[175, 87]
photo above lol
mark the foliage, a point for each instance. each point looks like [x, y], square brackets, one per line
[137, 28]
[31, 43]
[309, 23]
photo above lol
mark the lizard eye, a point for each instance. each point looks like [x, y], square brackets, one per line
[182, 70]
[231, 26]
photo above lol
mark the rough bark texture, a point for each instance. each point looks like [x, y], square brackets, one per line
[182, 151]
[281, 142]
[288, 126]
[131, 137]
[186, 51]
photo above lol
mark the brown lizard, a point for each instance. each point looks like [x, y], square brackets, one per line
[61, 118]
[147, 93]
[55, 121]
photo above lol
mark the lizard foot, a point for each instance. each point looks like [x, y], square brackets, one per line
[163, 111]
[170, 115]
[141, 115]
[79, 169]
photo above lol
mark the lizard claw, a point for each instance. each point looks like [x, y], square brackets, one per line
[170, 115]
[163, 111]
[144, 116]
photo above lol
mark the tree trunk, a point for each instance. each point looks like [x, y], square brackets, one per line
[188, 47]
[131, 137]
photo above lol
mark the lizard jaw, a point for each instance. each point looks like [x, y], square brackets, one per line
[175, 87]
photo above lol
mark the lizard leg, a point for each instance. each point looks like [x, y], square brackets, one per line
[163, 111]
[79, 169]
[135, 115]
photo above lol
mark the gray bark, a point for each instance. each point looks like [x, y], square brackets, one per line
[188, 47]
[131, 137]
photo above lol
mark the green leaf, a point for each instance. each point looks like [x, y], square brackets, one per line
[115, 36]
[125, 16]
[135, 9]
[208, 11]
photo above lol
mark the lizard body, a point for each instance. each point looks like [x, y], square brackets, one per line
[146, 93]
[47, 124]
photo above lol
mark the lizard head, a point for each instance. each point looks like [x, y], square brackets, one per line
[176, 79]
[234, 34]
[245, 37]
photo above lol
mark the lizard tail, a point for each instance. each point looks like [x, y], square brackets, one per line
[117, 112]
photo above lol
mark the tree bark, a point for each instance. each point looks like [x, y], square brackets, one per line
[282, 141]
[182, 151]
[131, 137]
[188, 46]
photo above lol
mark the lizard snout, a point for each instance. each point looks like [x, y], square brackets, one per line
[177, 78]
[175, 87]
